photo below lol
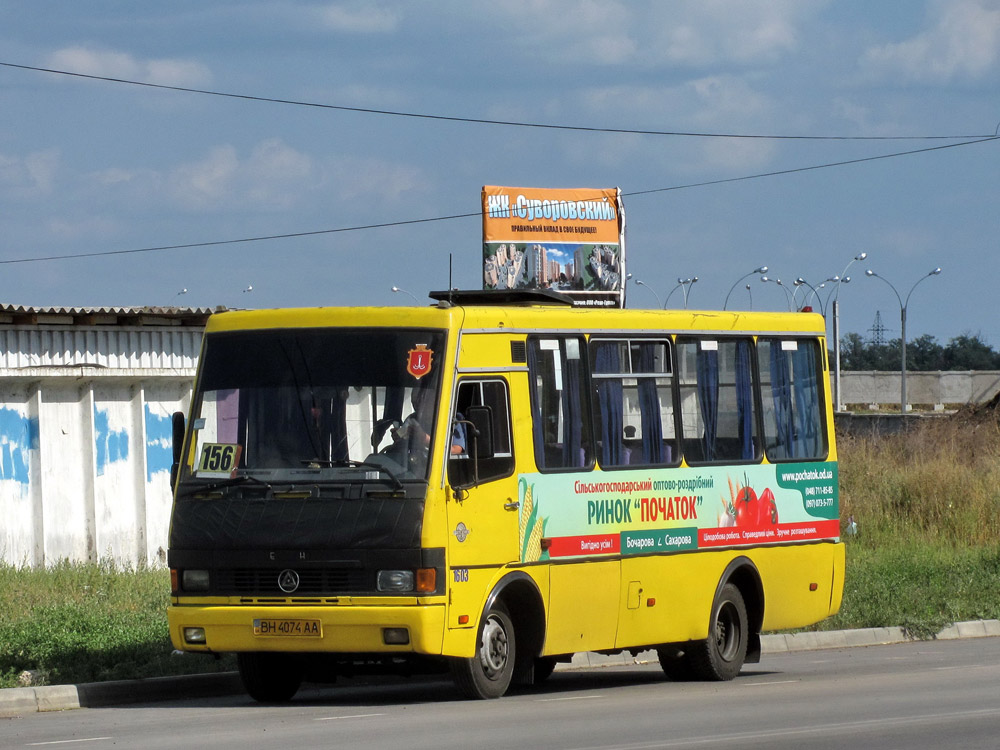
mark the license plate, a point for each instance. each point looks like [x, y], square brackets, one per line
[293, 628]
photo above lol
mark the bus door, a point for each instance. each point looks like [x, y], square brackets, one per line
[482, 502]
[583, 584]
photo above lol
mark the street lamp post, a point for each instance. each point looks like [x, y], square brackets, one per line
[761, 269]
[639, 282]
[685, 286]
[902, 325]
[842, 279]
[805, 297]
[403, 291]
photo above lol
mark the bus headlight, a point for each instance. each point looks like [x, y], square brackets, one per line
[394, 580]
[194, 580]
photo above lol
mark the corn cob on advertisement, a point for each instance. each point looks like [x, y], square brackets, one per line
[643, 512]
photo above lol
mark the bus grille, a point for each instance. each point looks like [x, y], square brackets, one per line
[264, 581]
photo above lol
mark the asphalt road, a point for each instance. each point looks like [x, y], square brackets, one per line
[929, 694]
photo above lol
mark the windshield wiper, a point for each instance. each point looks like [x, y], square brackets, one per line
[397, 484]
[233, 481]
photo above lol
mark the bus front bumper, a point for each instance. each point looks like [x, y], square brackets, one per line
[210, 628]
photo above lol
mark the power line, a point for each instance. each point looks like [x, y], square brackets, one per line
[389, 224]
[847, 162]
[484, 121]
[289, 235]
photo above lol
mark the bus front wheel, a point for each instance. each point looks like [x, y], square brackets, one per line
[721, 655]
[489, 672]
[269, 678]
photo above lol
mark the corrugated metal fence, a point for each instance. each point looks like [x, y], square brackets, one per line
[85, 434]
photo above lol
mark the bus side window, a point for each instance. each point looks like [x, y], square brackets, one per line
[634, 404]
[560, 406]
[492, 395]
[790, 375]
[717, 400]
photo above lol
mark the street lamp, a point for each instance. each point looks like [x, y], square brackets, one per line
[685, 286]
[750, 294]
[762, 269]
[639, 282]
[805, 297]
[902, 324]
[403, 291]
[842, 279]
[788, 297]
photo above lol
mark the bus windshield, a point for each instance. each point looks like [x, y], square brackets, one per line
[314, 405]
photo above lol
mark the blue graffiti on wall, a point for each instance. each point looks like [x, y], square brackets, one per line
[18, 435]
[159, 443]
[111, 445]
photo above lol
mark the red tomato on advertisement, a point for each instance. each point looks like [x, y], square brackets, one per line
[746, 507]
[767, 509]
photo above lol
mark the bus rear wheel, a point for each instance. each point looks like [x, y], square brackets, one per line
[721, 655]
[489, 672]
[269, 678]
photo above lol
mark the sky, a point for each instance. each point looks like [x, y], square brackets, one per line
[778, 128]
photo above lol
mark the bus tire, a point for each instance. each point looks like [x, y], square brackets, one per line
[721, 655]
[488, 674]
[269, 678]
[675, 663]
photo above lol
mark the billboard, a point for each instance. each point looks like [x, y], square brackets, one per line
[570, 241]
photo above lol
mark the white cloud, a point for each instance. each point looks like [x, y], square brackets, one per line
[568, 30]
[712, 104]
[109, 64]
[651, 33]
[737, 154]
[963, 41]
[89, 227]
[728, 99]
[206, 181]
[705, 32]
[359, 18]
[359, 177]
[274, 175]
[29, 176]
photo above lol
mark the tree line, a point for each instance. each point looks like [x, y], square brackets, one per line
[965, 352]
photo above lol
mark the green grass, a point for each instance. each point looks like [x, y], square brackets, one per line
[88, 623]
[927, 505]
[927, 554]
[921, 587]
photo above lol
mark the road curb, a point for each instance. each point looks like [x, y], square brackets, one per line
[16, 701]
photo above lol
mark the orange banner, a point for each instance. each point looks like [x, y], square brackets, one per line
[550, 215]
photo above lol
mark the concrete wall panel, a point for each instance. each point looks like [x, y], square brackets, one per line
[933, 388]
[18, 457]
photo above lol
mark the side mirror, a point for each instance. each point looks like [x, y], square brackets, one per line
[463, 471]
[480, 442]
[177, 423]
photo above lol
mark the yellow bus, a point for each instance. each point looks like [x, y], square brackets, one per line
[497, 481]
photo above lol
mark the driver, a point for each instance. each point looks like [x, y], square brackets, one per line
[415, 428]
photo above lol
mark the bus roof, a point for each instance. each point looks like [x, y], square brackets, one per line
[522, 317]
